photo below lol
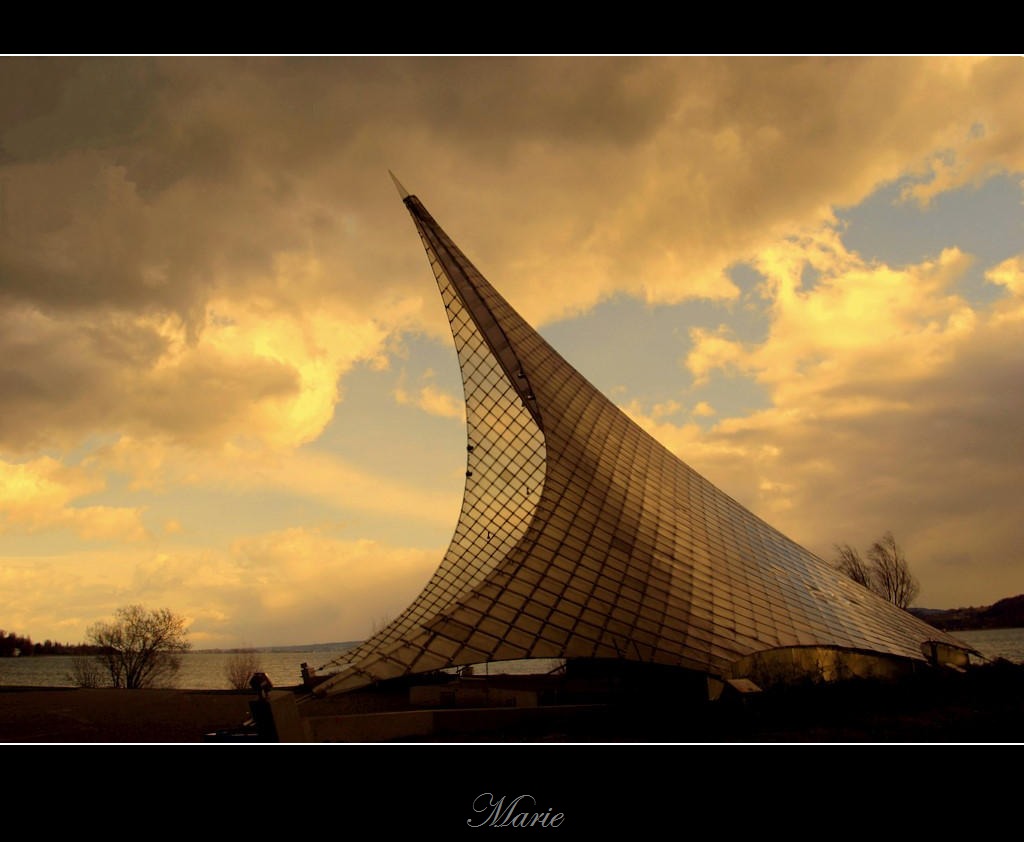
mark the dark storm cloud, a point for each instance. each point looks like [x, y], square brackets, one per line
[60, 379]
[50, 106]
[144, 182]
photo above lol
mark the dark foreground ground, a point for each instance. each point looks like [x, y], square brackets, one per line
[984, 705]
[70, 715]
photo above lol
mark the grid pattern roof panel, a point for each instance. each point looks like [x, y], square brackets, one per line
[580, 535]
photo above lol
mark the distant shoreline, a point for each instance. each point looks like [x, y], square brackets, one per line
[305, 647]
[1005, 614]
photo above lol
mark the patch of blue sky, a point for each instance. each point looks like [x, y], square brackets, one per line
[373, 432]
[85, 448]
[632, 351]
[730, 395]
[986, 221]
[749, 317]
[626, 348]
[809, 277]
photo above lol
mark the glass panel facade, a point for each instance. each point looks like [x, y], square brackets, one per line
[581, 535]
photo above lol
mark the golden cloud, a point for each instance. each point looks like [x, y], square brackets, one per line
[40, 494]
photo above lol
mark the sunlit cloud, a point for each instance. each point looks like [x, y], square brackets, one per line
[858, 323]
[41, 494]
[881, 383]
[1010, 275]
[430, 399]
[713, 350]
[198, 253]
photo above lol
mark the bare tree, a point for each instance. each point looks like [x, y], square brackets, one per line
[240, 667]
[890, 572]
[85, 671]
[141, 647]
[885, 572]
[848, 561]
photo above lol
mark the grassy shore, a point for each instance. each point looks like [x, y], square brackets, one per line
[72, 715]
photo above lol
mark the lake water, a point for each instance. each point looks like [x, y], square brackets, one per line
[996, 643]
[199, 670]
[209, 670]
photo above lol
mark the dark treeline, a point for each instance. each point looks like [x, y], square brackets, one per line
[1006, 614]
[14, 645]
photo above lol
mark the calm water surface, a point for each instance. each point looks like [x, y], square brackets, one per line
[199, 670]
[209, 670]
[996, 643]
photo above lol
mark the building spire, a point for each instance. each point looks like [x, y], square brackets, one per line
[401, 190]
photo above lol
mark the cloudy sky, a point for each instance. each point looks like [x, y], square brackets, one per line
[228, 384]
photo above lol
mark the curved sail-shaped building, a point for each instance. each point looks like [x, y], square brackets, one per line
[582, 537]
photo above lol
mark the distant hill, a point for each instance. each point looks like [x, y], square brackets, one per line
[337, 646]
[302, 647]
[1006, 614]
